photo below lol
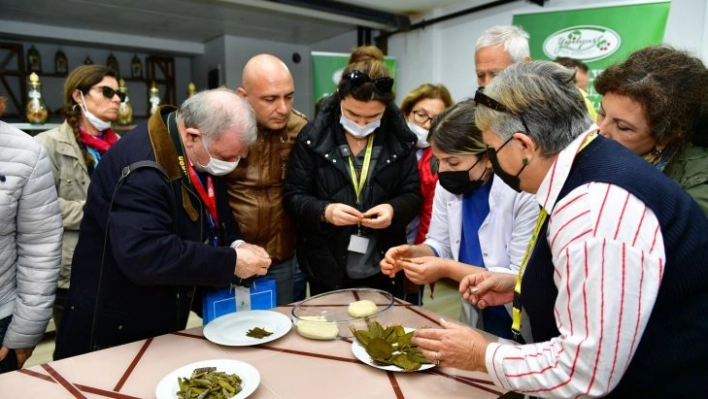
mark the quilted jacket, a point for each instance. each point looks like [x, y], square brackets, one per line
[30, 237]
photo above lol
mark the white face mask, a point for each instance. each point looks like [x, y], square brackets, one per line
[421, 133]
[359, 131]
[216, 167]
[99, 124]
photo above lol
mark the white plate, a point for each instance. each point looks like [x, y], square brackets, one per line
[250, 378]
[360, 353]
[231, 329]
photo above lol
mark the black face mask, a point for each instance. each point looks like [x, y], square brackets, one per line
[458, 181]
[512, 181]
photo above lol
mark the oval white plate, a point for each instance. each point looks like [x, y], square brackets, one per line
[231, 329]
[169, 386]
[360, 353]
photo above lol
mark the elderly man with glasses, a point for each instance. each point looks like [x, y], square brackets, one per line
[615, 278]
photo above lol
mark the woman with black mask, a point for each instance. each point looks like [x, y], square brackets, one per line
[478, 222]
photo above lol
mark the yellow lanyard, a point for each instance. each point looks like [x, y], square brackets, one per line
[517, 305]
[361, 181]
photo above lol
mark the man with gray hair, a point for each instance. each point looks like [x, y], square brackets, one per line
[497, 48]
[157, 226]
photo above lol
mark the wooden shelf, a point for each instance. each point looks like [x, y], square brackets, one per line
[158, 69]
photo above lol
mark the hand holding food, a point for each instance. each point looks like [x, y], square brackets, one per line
[388, 264]
[342, 215]
[251, 260]
[378, 217]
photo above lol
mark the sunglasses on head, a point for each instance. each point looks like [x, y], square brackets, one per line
[109, 92]
[382, 85]
[481, 98]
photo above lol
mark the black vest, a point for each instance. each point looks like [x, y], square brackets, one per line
[671, 359]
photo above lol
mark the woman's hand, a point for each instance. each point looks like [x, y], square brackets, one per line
[488, 288]
[454, 345]
[388, 264]
[342, 215]
[423, 270]
[378, 217]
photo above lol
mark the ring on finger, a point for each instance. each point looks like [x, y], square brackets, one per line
[436, 360]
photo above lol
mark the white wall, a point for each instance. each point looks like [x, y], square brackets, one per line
[238, 50]
[444, 53]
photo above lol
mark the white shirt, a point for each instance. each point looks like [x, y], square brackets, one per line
[608, 253]
[503, 235]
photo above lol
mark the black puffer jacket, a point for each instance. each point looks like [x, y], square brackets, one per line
[318, 175]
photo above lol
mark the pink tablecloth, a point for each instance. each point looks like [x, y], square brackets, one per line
[290, 367]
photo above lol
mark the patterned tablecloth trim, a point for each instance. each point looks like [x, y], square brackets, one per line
[132, 365]
[83, 388]
[63, 382]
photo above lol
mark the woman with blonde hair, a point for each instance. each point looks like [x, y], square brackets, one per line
[91, 100]
[352, 184]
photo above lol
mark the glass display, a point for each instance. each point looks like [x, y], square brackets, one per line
[125, 109]
[36, 110]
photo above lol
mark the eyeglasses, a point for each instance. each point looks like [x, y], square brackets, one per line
[481, 98]
[382, 85]
[109, 92]
[421, 117]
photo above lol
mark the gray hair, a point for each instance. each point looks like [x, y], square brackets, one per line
[544, 94]
[217, 111]
[514, 40]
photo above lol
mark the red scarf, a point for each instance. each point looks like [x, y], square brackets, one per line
[101, 144]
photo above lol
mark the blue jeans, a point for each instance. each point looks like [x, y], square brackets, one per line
[9, 363]
[283, 276]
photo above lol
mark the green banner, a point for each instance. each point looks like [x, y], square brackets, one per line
[598, 36]
[327, 70]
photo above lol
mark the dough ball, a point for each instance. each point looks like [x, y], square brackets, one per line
[363, 308]
[317, 327]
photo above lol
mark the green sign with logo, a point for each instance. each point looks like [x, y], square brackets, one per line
[599, 36]
[327, 70]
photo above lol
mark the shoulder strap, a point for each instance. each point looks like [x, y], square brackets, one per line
[142, 164]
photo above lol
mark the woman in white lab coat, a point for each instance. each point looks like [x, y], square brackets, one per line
[478, 222]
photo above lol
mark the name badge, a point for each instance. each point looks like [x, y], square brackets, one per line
[358, 244]
[243, 298]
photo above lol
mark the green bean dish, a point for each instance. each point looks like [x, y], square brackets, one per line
[207, 383]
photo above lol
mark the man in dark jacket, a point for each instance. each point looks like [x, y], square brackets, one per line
[157, 224]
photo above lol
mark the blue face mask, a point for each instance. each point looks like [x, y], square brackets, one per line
[357, 131]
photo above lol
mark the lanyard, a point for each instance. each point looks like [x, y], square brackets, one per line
[207, 196]
[517, 304]
[361, 181]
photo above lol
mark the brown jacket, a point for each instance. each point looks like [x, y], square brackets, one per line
[256, 191]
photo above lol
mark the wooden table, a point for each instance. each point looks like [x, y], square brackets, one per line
[290, 367]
